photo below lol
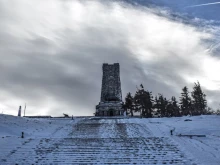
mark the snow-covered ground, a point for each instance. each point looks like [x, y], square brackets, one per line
[204, 150]
[92, 140]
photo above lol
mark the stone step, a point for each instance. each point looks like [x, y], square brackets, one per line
[150, 150]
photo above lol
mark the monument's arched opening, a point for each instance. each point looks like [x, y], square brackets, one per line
[111, 112]
[111, 97]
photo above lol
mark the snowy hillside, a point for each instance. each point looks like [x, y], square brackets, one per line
[110, 140]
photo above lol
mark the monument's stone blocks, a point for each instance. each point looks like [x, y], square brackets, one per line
[111, 97]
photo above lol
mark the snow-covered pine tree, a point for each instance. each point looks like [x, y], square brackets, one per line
[198, 100]
[185, 102]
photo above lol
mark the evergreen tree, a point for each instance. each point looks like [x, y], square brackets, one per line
[185, 102]
[172, 108]
[199, 100]
[143, 102]
[176, 107]
[129, 104]
[161, 104]
[169, 109]
[217, 112]
[210, 111]
[156, 106]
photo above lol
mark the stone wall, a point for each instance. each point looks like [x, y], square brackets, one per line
[111, 84]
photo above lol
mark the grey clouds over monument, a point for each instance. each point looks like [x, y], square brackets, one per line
[111, 95]
[52, 61]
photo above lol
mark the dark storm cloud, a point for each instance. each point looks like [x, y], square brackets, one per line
[52, 54]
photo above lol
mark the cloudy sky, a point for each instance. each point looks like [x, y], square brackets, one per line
[52, 51]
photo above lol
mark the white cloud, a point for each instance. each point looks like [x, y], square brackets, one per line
[56, 48]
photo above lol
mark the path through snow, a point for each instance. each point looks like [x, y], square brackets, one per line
[93, 140]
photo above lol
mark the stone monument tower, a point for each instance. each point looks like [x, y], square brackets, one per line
[111, 97]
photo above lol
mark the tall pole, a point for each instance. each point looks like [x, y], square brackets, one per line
[24, 109]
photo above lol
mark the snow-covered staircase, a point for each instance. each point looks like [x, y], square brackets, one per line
[85, 145]
[152, 150]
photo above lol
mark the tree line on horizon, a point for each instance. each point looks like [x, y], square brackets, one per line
[190, 103]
